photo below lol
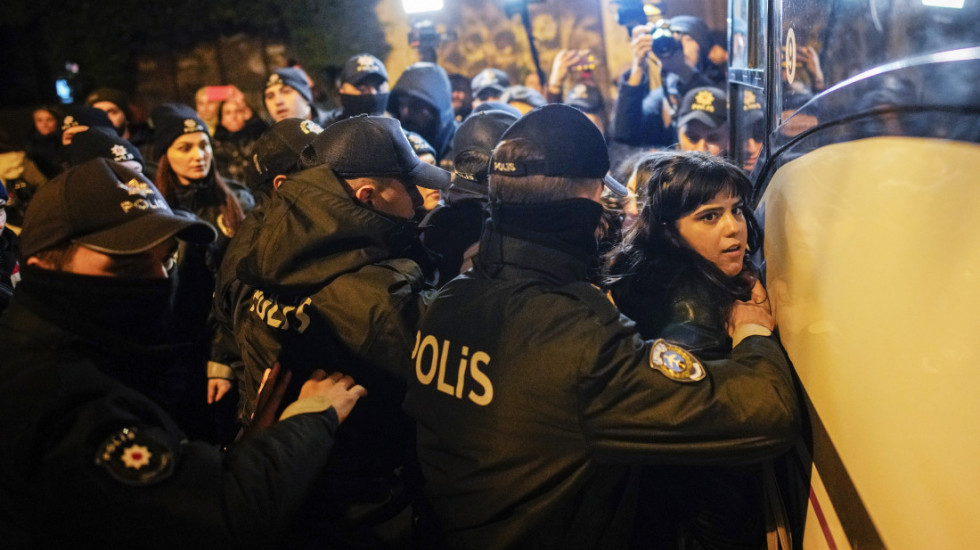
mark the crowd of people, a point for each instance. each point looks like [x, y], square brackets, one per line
[526, 350]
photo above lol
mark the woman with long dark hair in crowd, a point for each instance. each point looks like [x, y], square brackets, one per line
[682, 263]
[679, 270]
[188, 179]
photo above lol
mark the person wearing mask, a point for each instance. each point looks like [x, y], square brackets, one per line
[288, 95]
[645, 117]
[363, 89]
[337, 271]
[422, 101]
[535, 399]
[86, 352]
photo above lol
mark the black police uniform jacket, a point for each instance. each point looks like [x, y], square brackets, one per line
[534, 397]
[88, 460]
[705, 507]
[328, 285]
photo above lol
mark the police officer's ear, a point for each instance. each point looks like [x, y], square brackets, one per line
[277, 181]
[366, 194]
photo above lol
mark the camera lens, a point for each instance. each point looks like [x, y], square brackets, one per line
[664, 43]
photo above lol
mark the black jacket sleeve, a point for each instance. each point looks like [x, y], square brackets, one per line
[191, 494]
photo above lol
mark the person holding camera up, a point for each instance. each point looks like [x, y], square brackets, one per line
[680, 46]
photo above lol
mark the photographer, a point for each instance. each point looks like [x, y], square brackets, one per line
[680, 47]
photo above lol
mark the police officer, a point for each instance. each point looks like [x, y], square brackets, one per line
[90, 455]
[364, 89]
[702, 121]
[534, 396]
[335, 272]
[275, 156]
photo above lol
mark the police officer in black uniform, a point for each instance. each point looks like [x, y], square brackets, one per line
[335, 269]
[90, 456]
[534, 396]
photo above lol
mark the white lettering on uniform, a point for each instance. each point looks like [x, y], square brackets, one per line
[432, 358]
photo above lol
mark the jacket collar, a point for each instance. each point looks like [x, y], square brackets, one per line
[512, 258]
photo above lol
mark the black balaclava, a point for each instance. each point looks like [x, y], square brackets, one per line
[370, 104]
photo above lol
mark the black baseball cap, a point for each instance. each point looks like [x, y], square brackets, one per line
[482, 130]
[366, 146]
[706, 104]
[525, 95]
[107, 207]
[279, 149]
[473, 144]
[496, 106]
[572, 145]
[361, 67]
[489, 79]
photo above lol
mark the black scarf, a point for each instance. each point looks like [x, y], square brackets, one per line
[568, 225]
[371, 104]
[117, 314]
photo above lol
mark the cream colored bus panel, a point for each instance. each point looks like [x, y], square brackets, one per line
[873, 263]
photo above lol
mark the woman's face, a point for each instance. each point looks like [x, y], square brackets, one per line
[44, 122]
[190, 157]
[717, 231]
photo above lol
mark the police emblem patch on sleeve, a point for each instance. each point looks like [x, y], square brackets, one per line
[135, 458]
[675, 362]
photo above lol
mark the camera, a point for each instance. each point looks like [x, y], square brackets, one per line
[664, 43]
[425, 38]
[424, 34]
